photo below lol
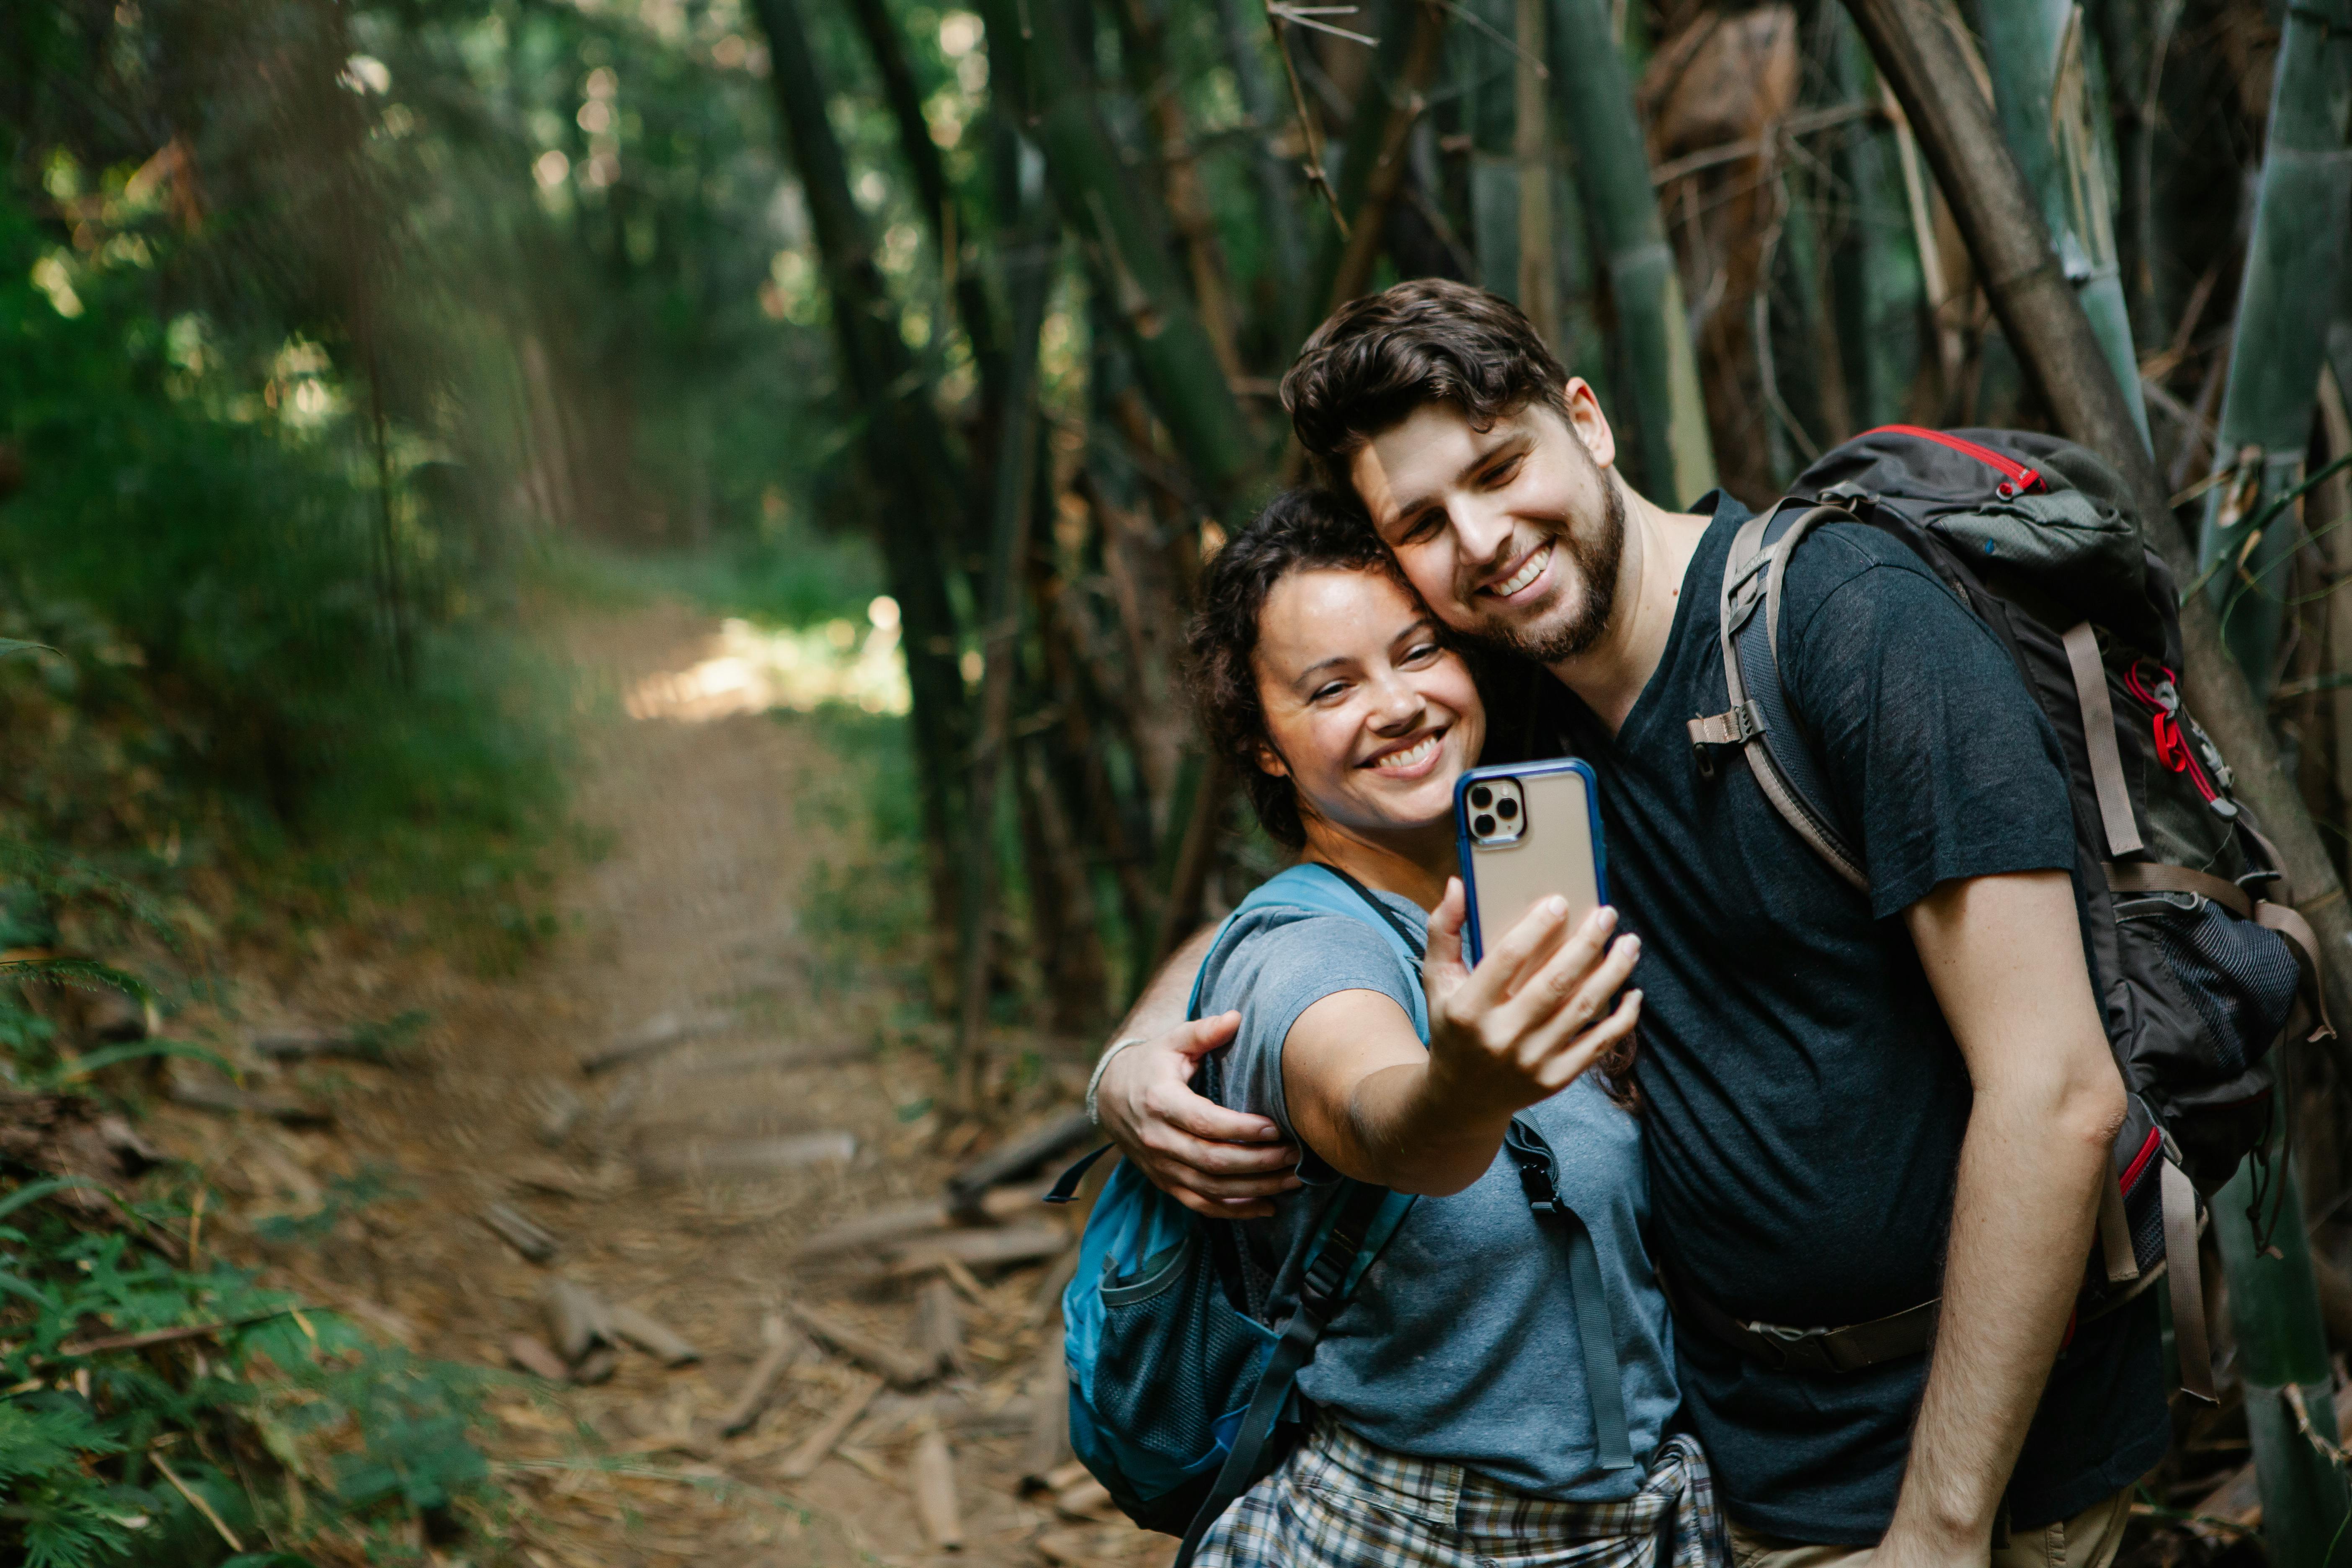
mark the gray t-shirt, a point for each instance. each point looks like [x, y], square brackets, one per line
[1460, 1343]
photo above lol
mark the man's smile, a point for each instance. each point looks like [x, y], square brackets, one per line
[1524, 577]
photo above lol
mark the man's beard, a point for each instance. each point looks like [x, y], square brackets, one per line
[1597, 561]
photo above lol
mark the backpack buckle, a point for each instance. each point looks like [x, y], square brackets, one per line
[1733, 727]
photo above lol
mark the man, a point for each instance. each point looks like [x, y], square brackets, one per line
[1856, 1104]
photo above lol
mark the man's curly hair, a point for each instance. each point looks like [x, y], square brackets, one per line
[1300, 531]
[1378, 358]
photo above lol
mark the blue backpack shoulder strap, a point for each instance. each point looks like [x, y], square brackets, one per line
[1326, 889]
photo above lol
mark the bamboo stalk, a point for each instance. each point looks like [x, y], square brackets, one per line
[905, 447]
[1143, 49]
[2281, 1350]
[1029, 275]
[1384, 175]
[1596, 98]
[2034, 52]
[1879, 318]
[1278, 211]
[942, 210]
[1039, 79]
[2336, 541]
[1538, 267]
[2294, 257]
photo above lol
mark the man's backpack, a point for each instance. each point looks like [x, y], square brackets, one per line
[2201, 965]
[1185, 1357]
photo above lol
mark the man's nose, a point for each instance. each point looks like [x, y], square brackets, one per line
[1484, 531]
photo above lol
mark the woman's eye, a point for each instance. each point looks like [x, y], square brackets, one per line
[1420, 653]
[1332, 690]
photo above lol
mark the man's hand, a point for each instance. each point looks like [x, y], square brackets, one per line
[1223, 1164]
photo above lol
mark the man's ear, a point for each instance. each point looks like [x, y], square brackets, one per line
[1592, 425]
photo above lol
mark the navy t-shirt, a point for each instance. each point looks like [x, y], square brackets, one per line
[1806, 1098]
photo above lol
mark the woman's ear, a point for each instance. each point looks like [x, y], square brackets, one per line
[1269, 760]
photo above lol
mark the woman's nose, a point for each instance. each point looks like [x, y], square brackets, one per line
[1396, 703]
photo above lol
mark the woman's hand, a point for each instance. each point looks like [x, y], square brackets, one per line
[1535, 1013]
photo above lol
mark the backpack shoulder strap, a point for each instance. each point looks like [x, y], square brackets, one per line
[1595, 1325]
[1325, 889]
[1761, 723]
[1365, 1216]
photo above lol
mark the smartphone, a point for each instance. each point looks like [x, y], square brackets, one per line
[1522, 832]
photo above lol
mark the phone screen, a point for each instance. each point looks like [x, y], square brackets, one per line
[1525, 833]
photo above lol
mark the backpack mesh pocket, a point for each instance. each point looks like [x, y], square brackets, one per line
[2239, 977]
[1171, 1341]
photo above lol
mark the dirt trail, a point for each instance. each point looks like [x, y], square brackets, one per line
[699, 909]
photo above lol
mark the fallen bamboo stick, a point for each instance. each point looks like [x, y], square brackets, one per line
[930, 1475]
[649, 1334]
[803, 1461]
[785, 1346]
[903, 1367]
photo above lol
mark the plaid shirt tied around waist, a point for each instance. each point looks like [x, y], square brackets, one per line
[1339, 1502]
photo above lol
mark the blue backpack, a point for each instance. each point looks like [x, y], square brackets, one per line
[1183, 1366]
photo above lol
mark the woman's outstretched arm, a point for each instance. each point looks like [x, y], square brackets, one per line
[1363, 1092]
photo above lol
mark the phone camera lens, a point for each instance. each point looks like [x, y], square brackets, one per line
[1507, 809]
[1482, 797]
[1481, 825]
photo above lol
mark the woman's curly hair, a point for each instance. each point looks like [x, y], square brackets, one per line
[1300, 531]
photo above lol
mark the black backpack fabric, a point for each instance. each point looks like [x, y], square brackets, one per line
[2201, 964]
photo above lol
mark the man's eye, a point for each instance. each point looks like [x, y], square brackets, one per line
[1420, 528]
[1505, 472]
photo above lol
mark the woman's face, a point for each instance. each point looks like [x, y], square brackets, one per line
[1370, 719]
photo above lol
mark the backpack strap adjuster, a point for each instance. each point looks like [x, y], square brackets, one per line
[1735, 726]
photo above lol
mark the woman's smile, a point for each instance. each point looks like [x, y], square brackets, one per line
[1411, 759]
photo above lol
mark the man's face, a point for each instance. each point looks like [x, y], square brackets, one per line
[1513, 535]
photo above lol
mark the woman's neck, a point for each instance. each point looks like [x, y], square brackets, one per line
[1412, 864]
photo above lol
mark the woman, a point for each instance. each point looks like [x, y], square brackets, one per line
[1453, 1423]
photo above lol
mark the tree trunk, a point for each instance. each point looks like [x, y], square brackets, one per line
[906, 450]
[1614, 167]
[1040, 82]
[2294, 257]
[2036, 53]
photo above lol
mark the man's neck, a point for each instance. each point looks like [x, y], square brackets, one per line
[1659, 545]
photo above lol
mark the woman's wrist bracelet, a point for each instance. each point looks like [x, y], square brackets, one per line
[1093, 1084]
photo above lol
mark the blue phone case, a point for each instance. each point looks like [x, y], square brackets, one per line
[1474, 945]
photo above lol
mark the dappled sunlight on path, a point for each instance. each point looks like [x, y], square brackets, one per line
[750, 669]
